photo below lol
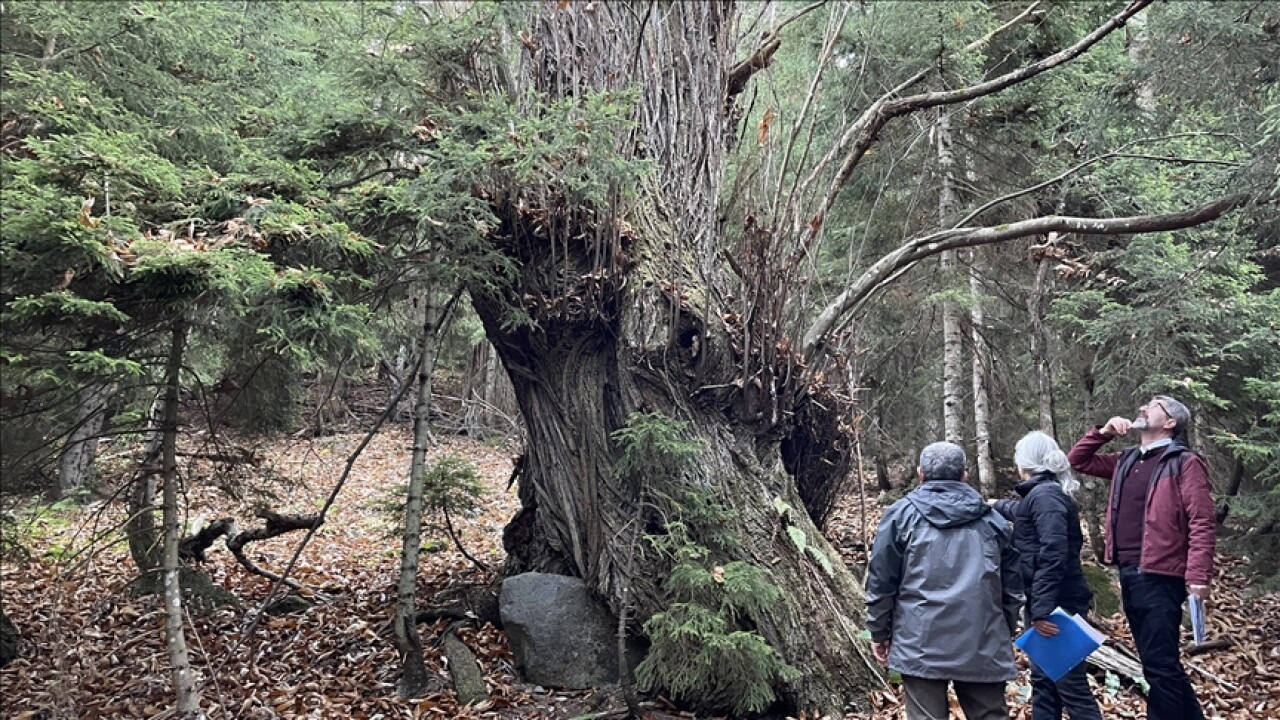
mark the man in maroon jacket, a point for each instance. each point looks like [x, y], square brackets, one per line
[1160, 532]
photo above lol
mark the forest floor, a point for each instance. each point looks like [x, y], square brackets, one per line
[91, 649]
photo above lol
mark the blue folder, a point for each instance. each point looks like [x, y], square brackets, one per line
[1058, 654]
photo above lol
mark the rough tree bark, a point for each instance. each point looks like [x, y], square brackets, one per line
[414, 678]
[75, 466]
[185, 684]
[630, 318]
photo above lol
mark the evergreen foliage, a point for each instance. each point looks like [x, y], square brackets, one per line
[703, 648]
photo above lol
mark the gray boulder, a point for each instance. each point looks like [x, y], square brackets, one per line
[561, 635]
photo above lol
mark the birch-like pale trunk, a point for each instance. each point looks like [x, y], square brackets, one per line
[981, 357]
[414, 679]
[185, 685]
[952, 336]
[981, 396]
[75, 465]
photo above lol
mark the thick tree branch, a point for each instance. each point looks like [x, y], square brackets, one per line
[739, 74]
[1117, 153]
[867, 127]
[932, 244]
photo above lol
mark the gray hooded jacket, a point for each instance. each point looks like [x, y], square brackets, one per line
[944, 586]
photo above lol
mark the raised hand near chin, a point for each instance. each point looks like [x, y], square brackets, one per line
[1117, 426]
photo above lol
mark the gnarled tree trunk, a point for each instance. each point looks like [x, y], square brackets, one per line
[631, 317]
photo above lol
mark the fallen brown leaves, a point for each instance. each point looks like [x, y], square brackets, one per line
[92, 650]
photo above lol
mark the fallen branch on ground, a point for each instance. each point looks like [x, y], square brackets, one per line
[194, 547]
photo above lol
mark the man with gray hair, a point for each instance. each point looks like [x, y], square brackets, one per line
[1161, 532]
[943, 593]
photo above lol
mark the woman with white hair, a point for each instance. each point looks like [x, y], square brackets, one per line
[1046, 531]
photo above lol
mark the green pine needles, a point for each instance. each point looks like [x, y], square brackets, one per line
[703, 646]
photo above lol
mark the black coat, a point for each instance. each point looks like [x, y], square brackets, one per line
[1046, 532]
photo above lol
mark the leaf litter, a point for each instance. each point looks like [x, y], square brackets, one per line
[91, 649]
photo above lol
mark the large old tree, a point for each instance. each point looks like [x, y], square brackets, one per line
[657, 298]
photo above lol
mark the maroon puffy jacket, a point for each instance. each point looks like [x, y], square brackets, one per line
[1179, 528]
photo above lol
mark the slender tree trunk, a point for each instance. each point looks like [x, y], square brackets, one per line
[1040, 347]
[1233, 489]
[75, 466]
[144, 535]
[488, 403]
[1137, 38]
[952, 338]
[414, 679]
[1093, 490]
[184, 678]
[981, 397]
[982, 358]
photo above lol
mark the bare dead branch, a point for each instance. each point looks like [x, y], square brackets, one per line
[799, 14]
[932, 244]
[864, 131]
[833, 33]
[193, 547]
[980, 42]
[241, 455]
[1118, 152]
[453, 535]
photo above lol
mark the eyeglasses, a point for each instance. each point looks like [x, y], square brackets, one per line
[1160, 404]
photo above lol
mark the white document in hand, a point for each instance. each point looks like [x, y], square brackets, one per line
[1196, 606]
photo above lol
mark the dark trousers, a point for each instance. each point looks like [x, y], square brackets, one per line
[927, 699]
[1153, 605]
[1070, 693]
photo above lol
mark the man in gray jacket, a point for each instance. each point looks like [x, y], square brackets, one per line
[943, 593]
